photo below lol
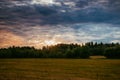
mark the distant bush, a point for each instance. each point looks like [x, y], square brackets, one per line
[81, 52]
[112, 53]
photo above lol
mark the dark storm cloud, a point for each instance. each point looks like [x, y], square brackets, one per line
[25, 14]
[14, 12]
[114, 5]
[82, 3]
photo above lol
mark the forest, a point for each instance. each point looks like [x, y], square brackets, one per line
[109, 50]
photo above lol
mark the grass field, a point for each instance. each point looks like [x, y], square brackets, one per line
[59, 69]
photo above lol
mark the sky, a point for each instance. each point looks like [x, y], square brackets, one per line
[48, 22]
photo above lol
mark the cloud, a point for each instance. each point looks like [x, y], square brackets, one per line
[10, 39]
[34, 22]
[67, 12]
[115, 41]
[76, 33]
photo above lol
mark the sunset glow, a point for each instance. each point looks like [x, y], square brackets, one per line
[50, 42]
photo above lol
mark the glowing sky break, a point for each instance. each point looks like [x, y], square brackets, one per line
[48, 22]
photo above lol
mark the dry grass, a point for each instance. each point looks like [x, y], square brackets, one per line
[97, 57]
[59, 69]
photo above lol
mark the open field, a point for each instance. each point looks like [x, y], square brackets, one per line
[59, 69]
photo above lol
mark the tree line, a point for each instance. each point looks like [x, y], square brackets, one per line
[109, 50]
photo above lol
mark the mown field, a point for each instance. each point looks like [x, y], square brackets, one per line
[59, 69]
